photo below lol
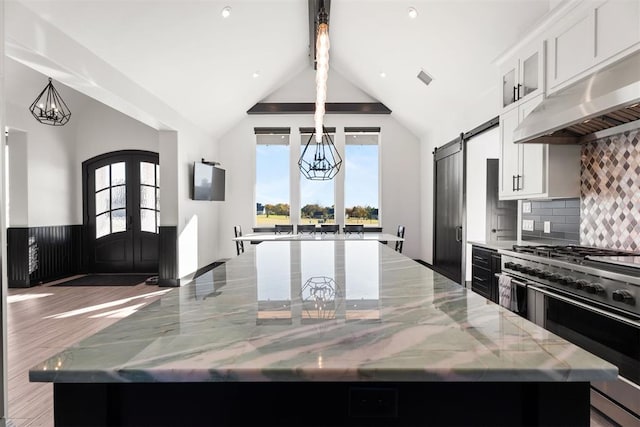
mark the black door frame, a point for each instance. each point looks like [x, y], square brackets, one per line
[453, 147]
[87, 265]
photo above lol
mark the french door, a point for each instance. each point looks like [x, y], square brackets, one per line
[121, 212]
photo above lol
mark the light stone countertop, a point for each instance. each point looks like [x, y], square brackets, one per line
[322, 311]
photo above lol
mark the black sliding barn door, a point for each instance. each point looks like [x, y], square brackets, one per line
[448, 217]
[121, 212]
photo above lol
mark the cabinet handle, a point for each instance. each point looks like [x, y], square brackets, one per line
[479, 258]
[515, 93]
[518, 187]
[518, 91]
[513, 183]
[479, 279]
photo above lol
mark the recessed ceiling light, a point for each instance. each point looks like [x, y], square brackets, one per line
[413, 13]
[226, 12]
[256, 74]
[383, 74]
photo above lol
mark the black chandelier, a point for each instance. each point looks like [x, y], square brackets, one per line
[49, 108]
[321, 298]
[320, 160]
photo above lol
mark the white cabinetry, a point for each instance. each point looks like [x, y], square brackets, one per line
[535, 170]
[590, 36]
[522, 77]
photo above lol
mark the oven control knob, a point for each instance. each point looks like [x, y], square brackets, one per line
[622, 295]
[509, 265]
[582, 284]
[516, 266]
[527, 270]
[594, 288]
[536, 272]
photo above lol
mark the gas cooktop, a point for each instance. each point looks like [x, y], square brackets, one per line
[571, 253]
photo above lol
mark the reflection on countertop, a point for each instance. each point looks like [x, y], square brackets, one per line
[257, 318]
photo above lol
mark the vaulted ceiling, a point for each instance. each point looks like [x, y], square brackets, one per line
[211, 69]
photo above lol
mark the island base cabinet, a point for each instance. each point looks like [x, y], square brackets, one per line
[322, 404]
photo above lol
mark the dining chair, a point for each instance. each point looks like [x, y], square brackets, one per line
[353, 228]
[306, 228]
[284, 228]
[237, 230]
[329, 228]
[401, 235]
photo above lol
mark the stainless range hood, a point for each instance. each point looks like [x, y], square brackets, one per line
[603, 104]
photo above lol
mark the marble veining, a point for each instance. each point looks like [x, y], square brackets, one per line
[381, 317]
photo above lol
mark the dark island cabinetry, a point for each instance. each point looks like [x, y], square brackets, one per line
[485, 263]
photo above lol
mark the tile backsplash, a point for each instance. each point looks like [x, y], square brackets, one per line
[563, 217]
[610, 192]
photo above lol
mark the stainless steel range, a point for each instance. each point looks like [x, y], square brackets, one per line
[591, 297]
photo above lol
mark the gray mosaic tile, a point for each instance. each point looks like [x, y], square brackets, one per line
[610, 192]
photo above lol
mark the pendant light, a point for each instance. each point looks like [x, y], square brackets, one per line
[49, 108]
[320, 161]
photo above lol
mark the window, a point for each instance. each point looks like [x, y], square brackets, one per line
[317, 203]
[272, 177]
[111, 199]
[361, 179]
[149, 197]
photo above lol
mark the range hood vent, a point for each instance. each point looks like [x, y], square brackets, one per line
[605, 103]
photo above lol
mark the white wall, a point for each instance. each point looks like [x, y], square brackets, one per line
[479, 149]
[47, 152]
[399, 170]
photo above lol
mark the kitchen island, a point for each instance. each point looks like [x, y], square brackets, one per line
[322, 333]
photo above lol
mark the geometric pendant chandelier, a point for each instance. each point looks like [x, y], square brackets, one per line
[49, 108]
[320, 160]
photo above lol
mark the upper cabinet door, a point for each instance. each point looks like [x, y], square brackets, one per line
[509, 83]
[522, 77]
[593, 35]
[617, 27]
[571, 47]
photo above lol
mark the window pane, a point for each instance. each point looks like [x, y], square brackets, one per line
[157, 199]
[316, 197]
[118, 174]
[361, 180]
[118, 197]
[158, 175]
[157, 221]
[148, 220]
[103, 201]
[272, 180]
[102, 177]
[147, 197]
[102, 224]
[118, 220]
[147, 173]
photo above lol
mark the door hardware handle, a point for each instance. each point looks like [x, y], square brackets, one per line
[459, 233]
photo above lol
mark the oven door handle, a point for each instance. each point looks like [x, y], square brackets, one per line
[587, 307]
[517, 282]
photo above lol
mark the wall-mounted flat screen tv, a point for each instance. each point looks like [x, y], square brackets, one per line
[208, 182]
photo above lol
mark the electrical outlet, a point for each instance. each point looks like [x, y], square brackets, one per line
[526, 207]
[527, 224]
[547, 226]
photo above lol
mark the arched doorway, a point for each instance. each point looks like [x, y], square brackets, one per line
[121, 212]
